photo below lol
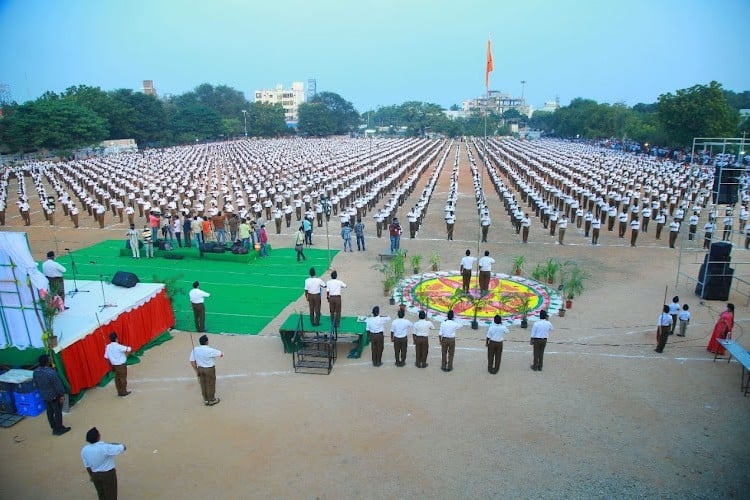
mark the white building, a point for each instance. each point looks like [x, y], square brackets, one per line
[290, 99]
[550, 106]
[497, 102]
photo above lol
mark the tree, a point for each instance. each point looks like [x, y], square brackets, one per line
[266, 120]
[699, 111]
[315, 120]
[542, 120]
[223, 99]
[196, 123]
[338, 116]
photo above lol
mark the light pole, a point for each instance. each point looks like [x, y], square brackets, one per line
[523, 84]
[244, 112]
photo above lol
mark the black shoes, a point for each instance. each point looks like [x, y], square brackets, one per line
[125, 394]
[62, 431]
[213, 402]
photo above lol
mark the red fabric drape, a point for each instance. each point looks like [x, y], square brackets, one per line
[84, 362]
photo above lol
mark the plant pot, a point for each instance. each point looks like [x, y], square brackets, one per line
[386, 293]
[434, 268]
[524, 323]
[416, 270]
[402, 307]
[392, 301]
[568, 303]
[475, 325]
[52, 341]
[518, 272]
[550, 281]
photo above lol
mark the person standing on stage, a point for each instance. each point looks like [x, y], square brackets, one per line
[447, 337]
[334, 287]
[663, 329]
[54, 273]
[132, 235]
[52, 392]
[539, 335]
[197, 297]
[203, 360]
[421, 336]
[400, 337]
[117, 355]
[375, 326]
[313, 286]
[495, 336]
[467, 263]
[99, 460]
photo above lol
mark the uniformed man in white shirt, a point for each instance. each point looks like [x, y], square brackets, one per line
[495, 336]
[467, 263]
[334, 287]
[117, 355]
[400, 337]
[447, 337]
[197, 297]
[203, 360]
[313, 287]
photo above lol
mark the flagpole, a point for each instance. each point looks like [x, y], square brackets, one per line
[488, 69]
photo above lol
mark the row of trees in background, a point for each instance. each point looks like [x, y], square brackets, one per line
[82, 116]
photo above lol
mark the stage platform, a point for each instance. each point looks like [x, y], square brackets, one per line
[349, 325]
[139, 315]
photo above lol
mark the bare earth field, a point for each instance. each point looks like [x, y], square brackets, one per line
[607, 418]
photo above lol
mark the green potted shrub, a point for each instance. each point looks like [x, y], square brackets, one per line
[416, 260]
[435, 261]
[524, 307]
[573, 287]
[551, 268]
[518, 262]
[538, 272]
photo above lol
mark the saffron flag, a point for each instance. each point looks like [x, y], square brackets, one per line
[490, 65]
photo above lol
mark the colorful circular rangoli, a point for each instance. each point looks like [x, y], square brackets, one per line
[441, 291]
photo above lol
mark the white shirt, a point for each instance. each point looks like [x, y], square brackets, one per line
[496, 333]
[197, 295]
[400, 328]
[448, 328]
[334, 287]
[52, 269]
[376, 324]
[422, 328]
[485, 263]
[115, 353]
[204, 355]
[684, 315]
[313, 285]
[664, 320]
[99, 457]
[467, 263]
[541, 329]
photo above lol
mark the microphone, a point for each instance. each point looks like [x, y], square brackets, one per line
[92, 262]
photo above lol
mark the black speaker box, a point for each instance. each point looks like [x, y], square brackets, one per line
[715, 286]
[726, 185]
[124, 279]
[720, 252]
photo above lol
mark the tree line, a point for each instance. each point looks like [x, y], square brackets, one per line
[83, 116]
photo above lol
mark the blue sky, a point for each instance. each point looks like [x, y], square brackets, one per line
[376, 53]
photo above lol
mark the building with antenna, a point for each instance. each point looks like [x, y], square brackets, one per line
[290, 99]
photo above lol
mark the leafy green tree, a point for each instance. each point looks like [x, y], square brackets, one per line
[225, 100]
[196, 123]
[542, 120]
[316, 120]
[266, 120]
[699, 111]
[52, 123]
[338, 116]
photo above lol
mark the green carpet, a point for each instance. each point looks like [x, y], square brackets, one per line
[244, 297]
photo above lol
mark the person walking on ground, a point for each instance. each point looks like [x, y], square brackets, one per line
[99, 460]
[684, 318]
[485, 272]
[674, 310]
[447, 337]
[117, 355]
[54, 273]
[346, 235]
[663, 329]
[467, 263]
[299, 244]
[203, 360]
[539, 335]
[359, 232]
[495, 336]
[307, 228]
[375, 326]
[394, 230]
[313, 287]
[722, 330]
[421, 335]
[52, 392]
[400, 337]
[132, 235]
[334, 287]
[197, 297]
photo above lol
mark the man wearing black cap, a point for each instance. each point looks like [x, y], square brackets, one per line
[52, 392]
[54, 273]
[99, 459]
[203, 360]
[117, 356]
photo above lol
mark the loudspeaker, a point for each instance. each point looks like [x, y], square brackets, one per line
[716, 286]
[127, 280]
[726, 185]
[720, 252]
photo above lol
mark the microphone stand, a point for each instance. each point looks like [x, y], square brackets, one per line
[74, 268]
[104, 298]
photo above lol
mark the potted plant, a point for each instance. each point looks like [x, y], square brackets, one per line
[551, 268]
[416, 260]
[524, 307]
[538, 272]
[573, 286]
[398, 265]
[388, 283]
[435, 261]
[49, 306]
[477, 302]
[518, 262]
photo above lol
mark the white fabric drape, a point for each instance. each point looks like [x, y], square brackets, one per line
[19, 324]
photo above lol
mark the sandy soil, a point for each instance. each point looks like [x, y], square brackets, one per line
[607, 418]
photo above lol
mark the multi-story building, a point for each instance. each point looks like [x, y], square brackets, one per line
[497, 102]
[148, 87]
[290, 99]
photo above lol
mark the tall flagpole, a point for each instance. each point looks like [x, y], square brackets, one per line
[488, 69]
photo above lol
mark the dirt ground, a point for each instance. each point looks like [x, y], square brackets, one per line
[607, 418]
